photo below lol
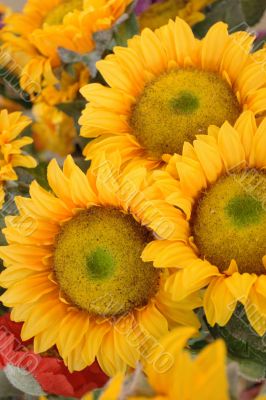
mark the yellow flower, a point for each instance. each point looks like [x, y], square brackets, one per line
[75, 275]
[167, 86]
[67, 87]
[40, 22]
[183, 378]
[45, 26]
[97, 15]
[223, 175]
[158, 14]
[11, 155]
[19, 57]
[53, 130]
[36, 74]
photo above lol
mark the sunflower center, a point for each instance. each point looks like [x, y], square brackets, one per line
[97, 262]
[179, 105]
[229, 222]
[56, 15]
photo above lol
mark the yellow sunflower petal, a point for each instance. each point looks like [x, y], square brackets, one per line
[59, 183]
[211, 54]
[219, 302]
[240, 285]
[191, 279]
[231, 147]
[46, 313]
[46, 204]
[246, 127]
[124, 333]
[72, 331]
[210, 160]
[169, 254]
[211, 372]
[95, 335]
[109, 360]
[258, 154]
[255, 310]
[152, 322]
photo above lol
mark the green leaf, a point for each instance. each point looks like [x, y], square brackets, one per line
[127, 30]
[51, 397]
[244, 344]
[251, 370]
[82, 163]
[229, 11]
[69, 56]
[40, 174]
[26, 383]
[238, 14]
[96, 394]
[7, 389]
[253, 10]
[103, 42]
[26, 176]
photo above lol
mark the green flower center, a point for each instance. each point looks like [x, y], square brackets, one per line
[178, 105]
[57, 14]
[229, 222]
[97, 262]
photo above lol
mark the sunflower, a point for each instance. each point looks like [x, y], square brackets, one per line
[53, 130]
[223, 175]
[183, 378]
[159, 13]
[42, 27]
[74, 272]
[11, 155]
[38, 22]
[71, 23]
[167, 86]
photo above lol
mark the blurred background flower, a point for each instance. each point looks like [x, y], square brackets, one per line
[155, 13]
[53, 130]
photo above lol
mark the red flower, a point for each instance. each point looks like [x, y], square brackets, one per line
[45, 373]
